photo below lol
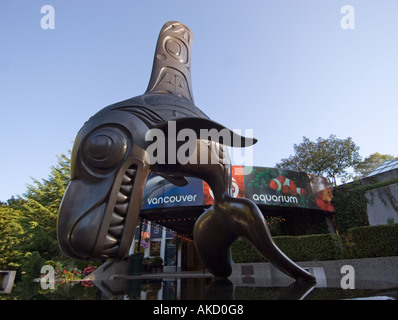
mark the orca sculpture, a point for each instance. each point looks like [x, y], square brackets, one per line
[110, 164]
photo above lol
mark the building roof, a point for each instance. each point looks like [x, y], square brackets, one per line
[384, 167]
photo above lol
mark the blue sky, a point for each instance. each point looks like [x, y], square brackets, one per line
[285, 69]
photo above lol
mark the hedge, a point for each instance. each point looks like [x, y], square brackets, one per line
[316, 247]
[243, 252]
[298, 248]
[350, 205]
[374, 241]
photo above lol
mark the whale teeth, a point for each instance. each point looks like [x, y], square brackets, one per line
[116, 224]
[120, 198]
[126, 189]
[116, 230]
[111, 251]
[121, 208]
[116, 219]
[110, 241]
[131, 172]
[126, 179]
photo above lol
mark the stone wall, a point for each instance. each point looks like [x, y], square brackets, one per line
[382, 205]
[378, 273]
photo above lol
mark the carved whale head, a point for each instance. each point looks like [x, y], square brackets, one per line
[99, 211]
[106, 161]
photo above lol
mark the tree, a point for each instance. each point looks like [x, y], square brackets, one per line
[28, 230]
[28, 223]
[371, 163]
[11, 235]
[40, 209]
[331, 157]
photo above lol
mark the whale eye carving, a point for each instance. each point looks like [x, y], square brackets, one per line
[105, 148]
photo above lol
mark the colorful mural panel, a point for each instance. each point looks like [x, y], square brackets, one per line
[264, 186]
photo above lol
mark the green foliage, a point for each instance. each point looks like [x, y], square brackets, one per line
[374, 241]
[156, 261]
[11, 236]
[298, 248]
[371, 163]
[350, 203]
[40, 209]
[359, 242]
[32, 265]
[28, 225]
[313, 247]
[30, 269]
[350, 206]
[304, 223]
[243, 252]
[330, 157]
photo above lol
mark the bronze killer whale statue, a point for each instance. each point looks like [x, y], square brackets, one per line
[109, 169]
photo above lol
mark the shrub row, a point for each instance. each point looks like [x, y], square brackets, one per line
[243, 252]
[298, 248]
[360, 242]
[317, 247]
[375, 241]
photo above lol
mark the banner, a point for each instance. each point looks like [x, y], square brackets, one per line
[264, 186]
[159, 193]
[287, 188]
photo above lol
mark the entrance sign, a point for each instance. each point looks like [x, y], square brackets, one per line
[264, 186]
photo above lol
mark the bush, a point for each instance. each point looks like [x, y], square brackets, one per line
[156, 261]
[373, 241]
[243, 252]
[297, 248]
[350, 206]
[316, 247]
[32, 265]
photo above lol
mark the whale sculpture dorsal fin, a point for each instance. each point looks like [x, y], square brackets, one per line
[172, 62]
